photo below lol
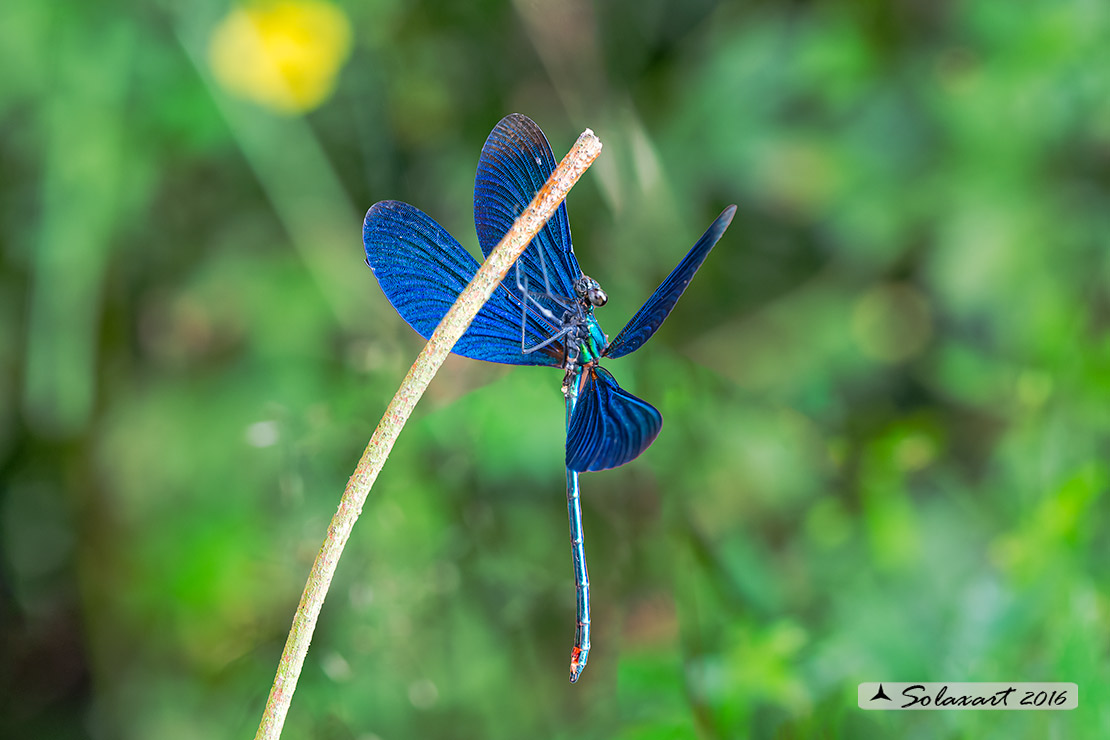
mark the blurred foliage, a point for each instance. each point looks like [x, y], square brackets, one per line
[885, 449]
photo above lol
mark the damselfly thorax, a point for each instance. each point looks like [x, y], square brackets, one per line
[575, 327]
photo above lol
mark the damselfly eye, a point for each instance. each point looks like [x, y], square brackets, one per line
[589, 289]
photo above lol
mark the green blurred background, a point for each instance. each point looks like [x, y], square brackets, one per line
[886, 438]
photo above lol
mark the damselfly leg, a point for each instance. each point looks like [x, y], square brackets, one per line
[543, 302]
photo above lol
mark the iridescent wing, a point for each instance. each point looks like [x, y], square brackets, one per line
[422, 270]
[515, 163]
[655, 311]
[609, 426]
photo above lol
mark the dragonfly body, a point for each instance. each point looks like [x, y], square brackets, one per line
[545, 316]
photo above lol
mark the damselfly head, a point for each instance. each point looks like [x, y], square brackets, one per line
[589, 291]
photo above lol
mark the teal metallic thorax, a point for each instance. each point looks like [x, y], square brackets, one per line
[595, 341]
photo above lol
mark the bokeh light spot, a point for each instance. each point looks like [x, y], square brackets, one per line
[423, 694]
[915, 451]
[892, 322]
[262, 434]
[336, 667]
[1034, 387]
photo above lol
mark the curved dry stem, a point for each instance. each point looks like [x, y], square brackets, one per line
[469, 302]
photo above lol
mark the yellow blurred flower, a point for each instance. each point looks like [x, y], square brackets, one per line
[284, 55]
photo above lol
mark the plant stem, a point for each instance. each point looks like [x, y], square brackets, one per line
[453, 325]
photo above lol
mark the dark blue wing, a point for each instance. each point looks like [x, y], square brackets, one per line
[515, 163]
[422, 270]
[655, 311]
[609, 426]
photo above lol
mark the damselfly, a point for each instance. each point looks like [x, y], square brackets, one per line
[422, 270]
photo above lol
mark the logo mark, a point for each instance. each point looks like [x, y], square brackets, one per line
[880, 694]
